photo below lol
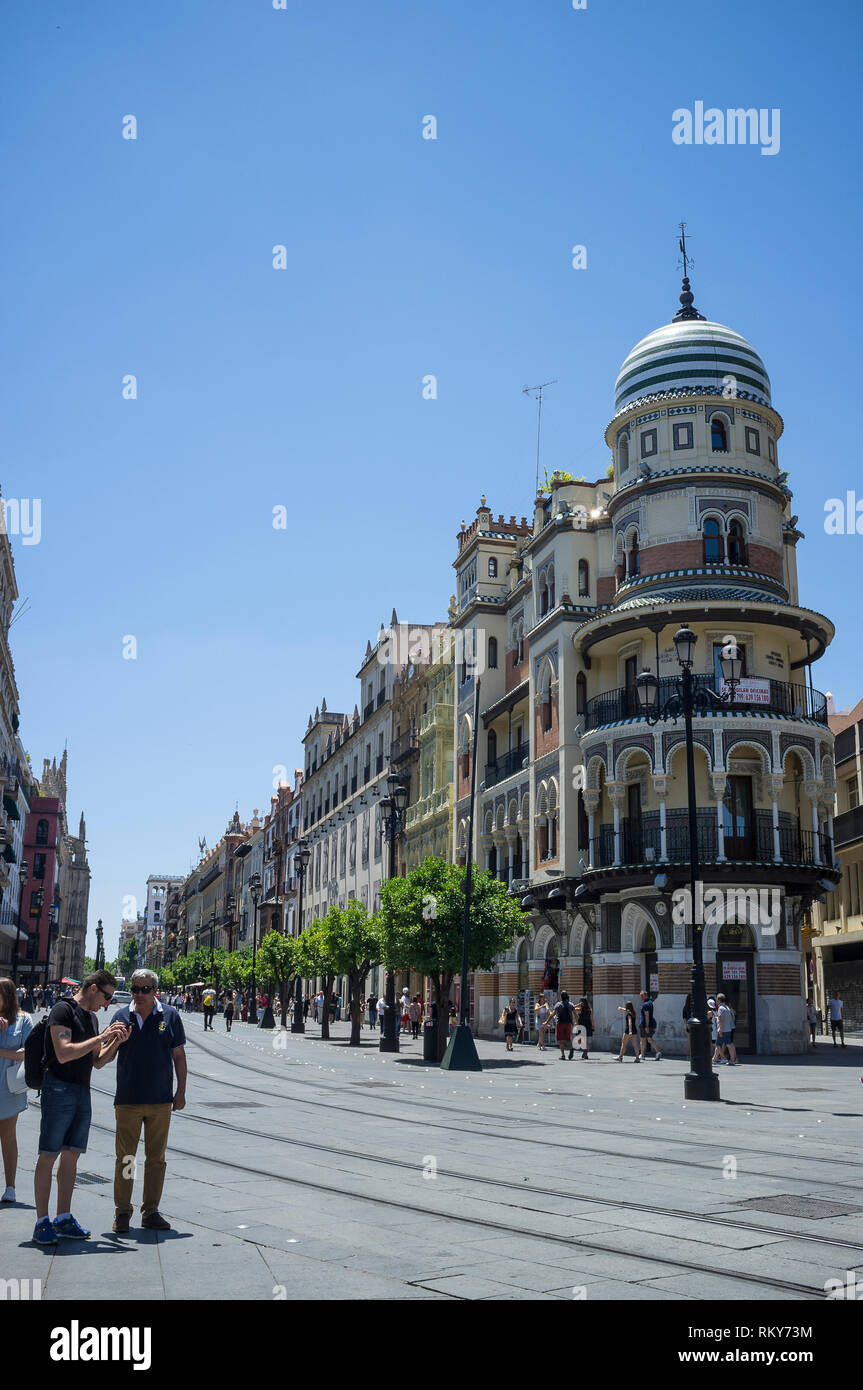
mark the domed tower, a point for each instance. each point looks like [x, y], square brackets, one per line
[703, 537]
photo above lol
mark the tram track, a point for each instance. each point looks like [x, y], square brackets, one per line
[508, 1228]
[531, 1190]
[502, 1133]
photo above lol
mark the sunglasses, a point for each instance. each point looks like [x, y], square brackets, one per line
[106, 997]
[141, 989]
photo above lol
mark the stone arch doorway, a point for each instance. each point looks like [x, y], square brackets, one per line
[523, 967]
[735, 978]
[649, 961]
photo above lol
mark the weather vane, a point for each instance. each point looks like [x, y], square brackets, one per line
[687, 259]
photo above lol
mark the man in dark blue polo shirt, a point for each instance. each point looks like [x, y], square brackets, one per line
[146, 1063]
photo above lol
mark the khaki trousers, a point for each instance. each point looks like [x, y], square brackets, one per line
[156, 1120]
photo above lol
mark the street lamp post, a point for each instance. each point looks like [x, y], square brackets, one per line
[22, 879]
[212, 924]
[701, 1083]
[393, 808]
[255, 890]
[303, 856]
[53, 923]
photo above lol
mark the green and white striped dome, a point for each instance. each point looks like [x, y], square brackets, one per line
[691, 354]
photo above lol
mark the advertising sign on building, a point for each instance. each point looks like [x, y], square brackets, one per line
[654, 984]
[734, 970]
[749, 692]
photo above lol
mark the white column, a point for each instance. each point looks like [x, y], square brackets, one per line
[816, 849]
[616, 805]
[663, 838]
[591, 826]
[830, 835]
[720, 832]
[777, 851]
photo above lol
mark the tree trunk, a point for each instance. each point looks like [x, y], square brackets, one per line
[442, 985]
[328, 994]
[356, 983]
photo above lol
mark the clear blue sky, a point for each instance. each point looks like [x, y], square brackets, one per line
[303, 387]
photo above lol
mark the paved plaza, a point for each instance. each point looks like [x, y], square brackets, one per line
[309, 1169]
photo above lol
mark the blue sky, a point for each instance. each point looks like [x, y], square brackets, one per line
[302, 387]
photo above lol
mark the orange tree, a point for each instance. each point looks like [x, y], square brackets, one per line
[352, 945]
[314, 962]
[421, 926]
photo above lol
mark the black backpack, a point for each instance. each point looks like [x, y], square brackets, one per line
[565, 1015]
[35, 1054]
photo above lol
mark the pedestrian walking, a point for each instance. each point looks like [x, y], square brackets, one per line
[542, 1012]
[837, 1009]
[415, 1011]
[511, 1020]
[229, 1009]
[320, 1000]
[630, 1030]
[404, 1005]
[725, 1032]
[209, 1003]
[372, 1006]
[714, 1029]
[811, 1019]
[145, 1097]
[647, 1027]
[563, 1014]
[15, 1028]
[73, 1047]
[584, 1026]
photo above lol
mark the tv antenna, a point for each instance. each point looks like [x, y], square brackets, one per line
[529, 391]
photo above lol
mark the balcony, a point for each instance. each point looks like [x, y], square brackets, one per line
[367, 772]
[403, 746]
[382, 695]
[353, 785]
[506, 765]
[379, 763]
[640, 843]
[796, 701]
[848, 827]
[433, 804]
[439, 717]
[369, 710]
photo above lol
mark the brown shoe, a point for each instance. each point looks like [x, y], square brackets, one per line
[121, 1224]
[155, 1222]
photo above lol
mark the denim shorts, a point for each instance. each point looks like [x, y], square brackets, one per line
[725, 1039]
[65, 1124]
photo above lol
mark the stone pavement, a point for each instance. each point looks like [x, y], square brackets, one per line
[305, 1169]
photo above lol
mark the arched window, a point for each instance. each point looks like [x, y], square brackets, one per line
[623, 454]
[42, 832]
[633, 556]
[580, 693]
[583, 579]
[712, 536]
[550, 573]
[543, 596]
[492, 653]
[718, 435]
[492, 567]
[736, 543]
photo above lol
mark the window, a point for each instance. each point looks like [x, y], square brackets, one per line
[853, 799]
[648, 443]
[771, 449]
[543, 596]
[492, 653]
[36, 902]
[753, 441]
[712, 536]
[492, 746]
[623, 454]
[718, 435]
[492, 567]
[545, 711]
[39, 865]
[736, 543]
[42, 832]
[683, 436]
[633, 557]
[580, 693]
[583, 579]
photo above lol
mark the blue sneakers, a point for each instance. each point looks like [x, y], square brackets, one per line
[69, 1228]
[44, 1233]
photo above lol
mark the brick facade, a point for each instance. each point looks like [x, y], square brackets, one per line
[778, 979]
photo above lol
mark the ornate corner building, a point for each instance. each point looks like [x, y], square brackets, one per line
[579, 794]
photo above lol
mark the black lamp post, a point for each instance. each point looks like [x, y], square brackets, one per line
[701, 1083]
[393, 808]
[22, 879]
[255, 890]
[303, 856]
[53, 924]
[212, 924]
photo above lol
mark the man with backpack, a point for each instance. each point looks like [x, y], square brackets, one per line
[648, 1027]
[60, 1054]
[564, 1014]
